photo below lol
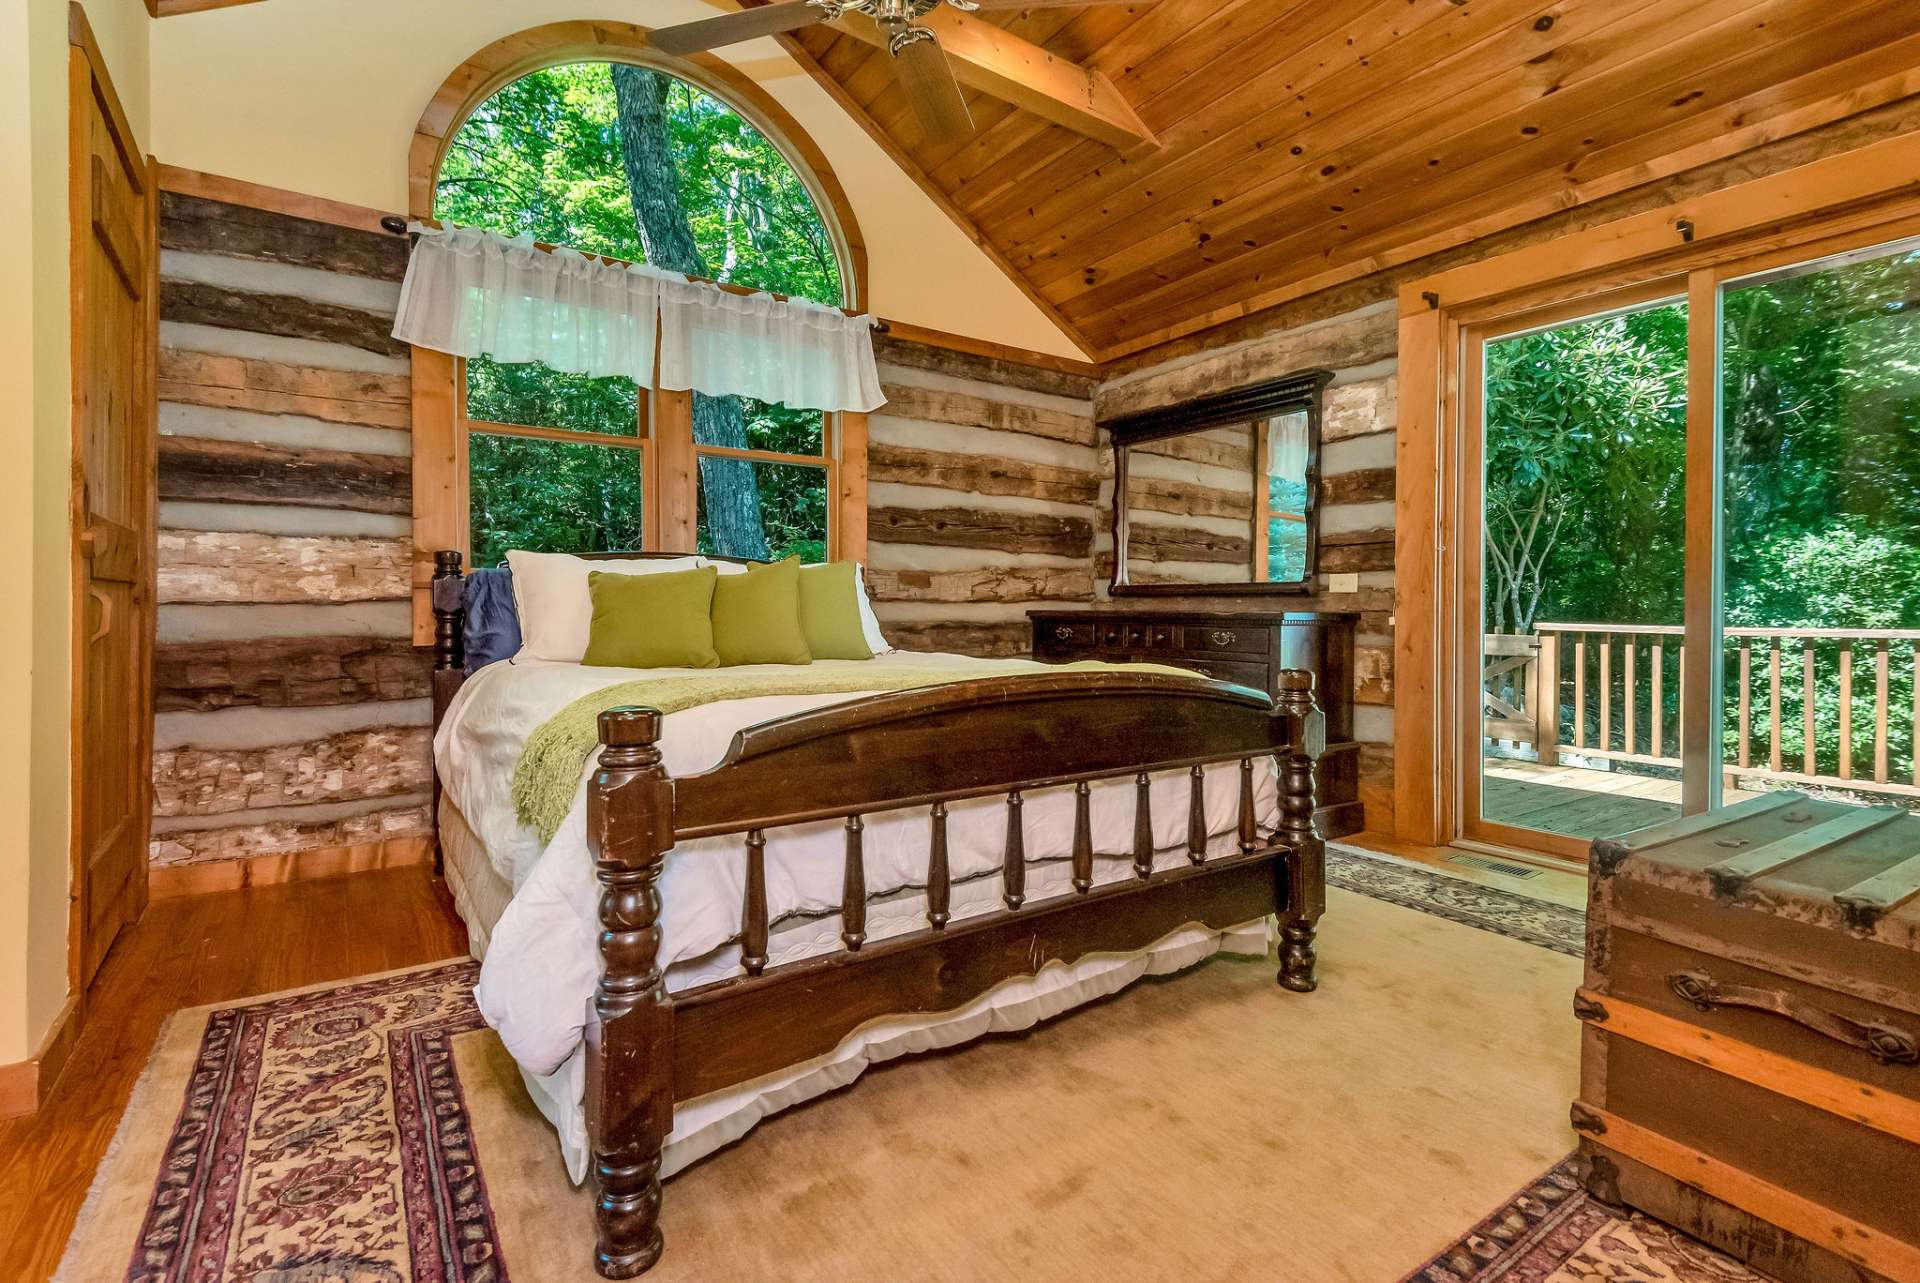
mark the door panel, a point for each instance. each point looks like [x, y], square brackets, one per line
[114, 332]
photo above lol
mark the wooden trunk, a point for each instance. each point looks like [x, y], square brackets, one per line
[1750, 1068]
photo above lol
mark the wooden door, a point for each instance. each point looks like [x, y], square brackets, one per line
[114, 333]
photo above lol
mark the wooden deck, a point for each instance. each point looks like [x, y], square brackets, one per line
[1574, 801]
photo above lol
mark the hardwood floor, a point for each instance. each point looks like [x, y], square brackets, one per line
[184, 953]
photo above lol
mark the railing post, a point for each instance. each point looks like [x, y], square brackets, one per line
[1546, 700]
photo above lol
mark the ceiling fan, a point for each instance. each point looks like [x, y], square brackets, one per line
[922, 67]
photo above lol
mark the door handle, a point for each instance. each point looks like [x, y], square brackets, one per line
[106, 614]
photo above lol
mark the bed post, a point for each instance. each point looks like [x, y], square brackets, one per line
[630, 1051]
[448, 591]
[1306, 861]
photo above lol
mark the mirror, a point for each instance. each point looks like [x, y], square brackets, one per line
[1217, 495]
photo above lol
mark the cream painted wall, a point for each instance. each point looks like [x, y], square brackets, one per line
[35, 439]
[321, 97]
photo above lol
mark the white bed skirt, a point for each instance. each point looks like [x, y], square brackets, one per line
[707, 1123]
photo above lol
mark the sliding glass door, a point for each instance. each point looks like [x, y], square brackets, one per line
[1694, 572]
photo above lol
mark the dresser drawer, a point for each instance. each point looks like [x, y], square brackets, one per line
[1224, 639]
[1226, 670]
[1064, 635]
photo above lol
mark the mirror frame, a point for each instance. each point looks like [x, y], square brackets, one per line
[1301, 390]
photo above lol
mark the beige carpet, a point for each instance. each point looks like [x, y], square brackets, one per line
[1204, 1127]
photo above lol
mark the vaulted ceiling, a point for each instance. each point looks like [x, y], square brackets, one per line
[1293, 144]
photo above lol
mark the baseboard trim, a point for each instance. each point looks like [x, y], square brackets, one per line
[26, 1084]
[166, 881]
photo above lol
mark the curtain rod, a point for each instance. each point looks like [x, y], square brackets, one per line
[398, 226]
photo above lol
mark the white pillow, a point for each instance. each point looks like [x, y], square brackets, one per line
[869, 622]
[556, 610]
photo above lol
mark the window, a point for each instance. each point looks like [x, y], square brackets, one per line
[630, 162]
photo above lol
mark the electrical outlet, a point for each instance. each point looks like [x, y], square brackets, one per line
[1343, 583]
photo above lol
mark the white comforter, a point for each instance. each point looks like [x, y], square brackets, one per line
[536, 983]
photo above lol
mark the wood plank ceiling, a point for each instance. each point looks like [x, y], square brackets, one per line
[1307, 142]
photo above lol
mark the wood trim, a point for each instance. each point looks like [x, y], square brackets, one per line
[1701, 669]
[294, 866]
[439, 477]
[676, 472]
[1021, 73]
[1863, 1245]
[1421, 645]
[26, 1084]
[173, 8]
[487, 427]
[764, 456]
[511, 57]
[1858, 195]
[1846, 1097]
[276, 200]
[850, 486]
[911, 333]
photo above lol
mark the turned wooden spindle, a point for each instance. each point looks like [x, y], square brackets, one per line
[753, 921]
[853, 889]
[1249, 830]
[939, 880]
[1197, 815]
[1082, 838]
[1306, 861]
[629, 1114]
[1142, 827]
[1013, 871]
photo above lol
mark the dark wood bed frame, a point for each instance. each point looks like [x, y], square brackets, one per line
[921, 748]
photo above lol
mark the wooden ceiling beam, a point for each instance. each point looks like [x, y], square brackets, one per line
[1017, 71]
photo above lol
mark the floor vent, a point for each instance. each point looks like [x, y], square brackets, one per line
[1496, 866]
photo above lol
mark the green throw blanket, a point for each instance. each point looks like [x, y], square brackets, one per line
[549, 769]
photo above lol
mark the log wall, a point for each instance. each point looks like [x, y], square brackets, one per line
[291, 709]
[983, 476]
[1356, 494]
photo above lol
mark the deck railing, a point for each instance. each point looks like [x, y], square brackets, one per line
[1850, 697]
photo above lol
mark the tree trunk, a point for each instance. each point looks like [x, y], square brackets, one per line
[728, 494]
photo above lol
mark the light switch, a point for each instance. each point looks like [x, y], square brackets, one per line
[1343, 583]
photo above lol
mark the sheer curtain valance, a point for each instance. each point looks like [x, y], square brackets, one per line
[470, 293]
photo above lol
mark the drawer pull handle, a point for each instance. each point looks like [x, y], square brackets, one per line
[1062, 632]
[1221, 637]
[1887, 1044]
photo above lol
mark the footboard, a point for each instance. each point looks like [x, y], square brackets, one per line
[923, 748]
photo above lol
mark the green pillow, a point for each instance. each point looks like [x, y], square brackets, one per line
[662, 620]
[830, 611]
[756, 616]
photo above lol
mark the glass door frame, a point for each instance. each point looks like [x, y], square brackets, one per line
[1470, 560]
[1701, 284]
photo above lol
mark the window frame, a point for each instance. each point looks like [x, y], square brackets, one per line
[669, 455]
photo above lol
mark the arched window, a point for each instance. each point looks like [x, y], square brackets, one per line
[633, 162]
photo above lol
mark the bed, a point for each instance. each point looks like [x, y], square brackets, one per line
[750, 900]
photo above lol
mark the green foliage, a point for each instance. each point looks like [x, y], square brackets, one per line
[542, 158]
[1821, 471]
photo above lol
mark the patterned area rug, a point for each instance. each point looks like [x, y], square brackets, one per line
[1507, 913]
[340, 1135]
[1553, 1232]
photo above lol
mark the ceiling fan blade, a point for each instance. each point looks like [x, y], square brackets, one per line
[929, 85]
[732, 28]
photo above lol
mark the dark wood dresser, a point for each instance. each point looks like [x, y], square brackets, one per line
[1247, 648]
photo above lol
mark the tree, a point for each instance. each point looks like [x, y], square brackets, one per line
[1585, 432]
[727, 490]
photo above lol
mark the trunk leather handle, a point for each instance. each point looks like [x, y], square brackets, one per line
[1888, 1044]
